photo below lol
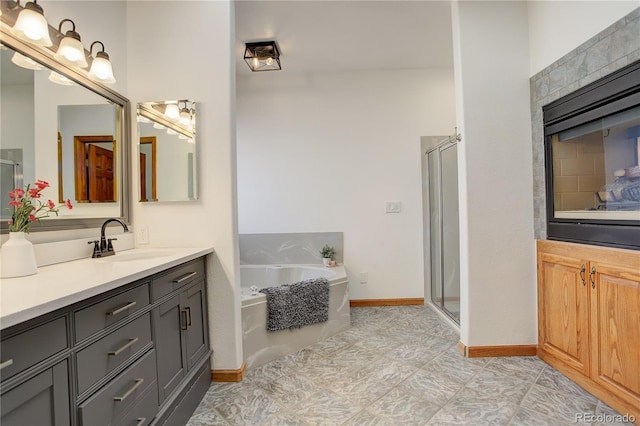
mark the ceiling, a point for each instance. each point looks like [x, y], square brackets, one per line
[348, 35]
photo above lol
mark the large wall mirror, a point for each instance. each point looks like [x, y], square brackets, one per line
[59, 126]
[167, 151]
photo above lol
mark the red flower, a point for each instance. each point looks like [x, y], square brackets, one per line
[16, 193]
[34, 192]
[51, 205]
[68, 204]
[32, 218]
[41, 184]
[15, 203]
[10, 222]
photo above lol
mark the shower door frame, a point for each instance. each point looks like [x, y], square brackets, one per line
[441, 305]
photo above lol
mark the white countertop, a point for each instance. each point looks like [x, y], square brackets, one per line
[60, 285]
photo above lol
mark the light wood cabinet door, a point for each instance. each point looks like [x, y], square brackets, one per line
[615, 318]
[563, 310]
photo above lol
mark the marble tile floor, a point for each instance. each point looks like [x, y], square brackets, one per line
[397, 366]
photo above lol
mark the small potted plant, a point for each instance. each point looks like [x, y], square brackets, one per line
[327, 254]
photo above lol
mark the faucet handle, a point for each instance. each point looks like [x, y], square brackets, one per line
[109, 245]
[96, 248]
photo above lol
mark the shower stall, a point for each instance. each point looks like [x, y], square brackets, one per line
[442, 237]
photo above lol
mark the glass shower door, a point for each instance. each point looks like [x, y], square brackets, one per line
[444, 229]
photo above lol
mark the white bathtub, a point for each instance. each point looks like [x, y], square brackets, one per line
[261, 346]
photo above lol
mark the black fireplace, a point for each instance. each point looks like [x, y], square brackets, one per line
[592, 162]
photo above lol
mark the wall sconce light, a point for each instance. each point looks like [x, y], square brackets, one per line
[172, 112]
[25, 62]
[262, 56]
[185, 116]
[56, 78]
[101, 68]
[31, 25]
[70, 51]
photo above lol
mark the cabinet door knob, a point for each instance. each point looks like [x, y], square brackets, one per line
[583, 268]
[130, 391]
[592, 277]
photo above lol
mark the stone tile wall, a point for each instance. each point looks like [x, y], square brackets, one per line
[612, 49]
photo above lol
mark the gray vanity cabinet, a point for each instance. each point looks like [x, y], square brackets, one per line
[180, 335]
[41, 400]
[136, 355]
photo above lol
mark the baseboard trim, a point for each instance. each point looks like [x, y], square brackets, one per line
[505, 350]
[228, 375]
[386, 302]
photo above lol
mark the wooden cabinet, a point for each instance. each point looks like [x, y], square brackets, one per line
[136, 355]
[589, 319]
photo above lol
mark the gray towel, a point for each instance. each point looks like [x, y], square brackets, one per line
[297, 304]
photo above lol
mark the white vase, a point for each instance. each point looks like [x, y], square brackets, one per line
[326, 261]
[17, 258]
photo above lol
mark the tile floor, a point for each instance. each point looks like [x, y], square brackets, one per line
[396, 366]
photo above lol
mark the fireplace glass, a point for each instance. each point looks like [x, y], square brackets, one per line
[592, 162]
[596, 169]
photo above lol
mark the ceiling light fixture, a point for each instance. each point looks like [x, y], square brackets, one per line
[31, 25]
[262, 56]
[71, 51]
[101, 69]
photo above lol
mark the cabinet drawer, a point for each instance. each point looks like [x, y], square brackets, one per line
[176, 278]
[32, 346]
[121, 394]
[110, 352]
[143, 412]
[96, 317]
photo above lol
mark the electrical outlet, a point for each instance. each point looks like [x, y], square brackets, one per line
[142, 235]
[364, 277]
[392, 206]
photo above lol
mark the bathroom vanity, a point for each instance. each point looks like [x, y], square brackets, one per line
[121, 340]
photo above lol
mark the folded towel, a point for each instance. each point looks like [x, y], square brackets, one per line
[294, 305]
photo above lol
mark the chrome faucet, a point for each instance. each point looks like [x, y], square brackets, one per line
[103, 246]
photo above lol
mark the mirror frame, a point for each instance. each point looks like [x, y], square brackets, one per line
[123, 122]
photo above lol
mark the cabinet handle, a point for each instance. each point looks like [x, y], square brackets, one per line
[6, 363]
[592, 277]
[183, 319]
[117, 352]
[122, 309]
[185, 277]
[583, 268]
[188, 309]
[130, 391]
[141, 421]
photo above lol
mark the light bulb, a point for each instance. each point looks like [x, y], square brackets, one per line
[101, 68]
[31, 26]
[256, 62]
[172, 112]
[269, 61]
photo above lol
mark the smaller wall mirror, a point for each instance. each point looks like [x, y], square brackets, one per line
[167, 151]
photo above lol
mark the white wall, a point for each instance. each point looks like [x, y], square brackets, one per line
[498, 276]
[557, 27]
[323, 152]
[183, 50]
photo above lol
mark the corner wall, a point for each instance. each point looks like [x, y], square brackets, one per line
[184, 50]
[322, 153]
[497, 258]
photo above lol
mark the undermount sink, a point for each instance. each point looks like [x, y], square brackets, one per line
[133, 255]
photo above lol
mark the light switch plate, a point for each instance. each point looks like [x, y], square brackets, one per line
[392, 206]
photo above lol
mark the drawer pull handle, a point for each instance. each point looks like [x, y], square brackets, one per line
[185, 277]
[130, 343]
[183, 319]
[582, 271]
[122, 308]
[6, 363]
[188, 309]
[130, 391]
[141, 421]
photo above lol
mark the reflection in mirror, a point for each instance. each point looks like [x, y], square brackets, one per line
[167, 151]
[81, 166]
